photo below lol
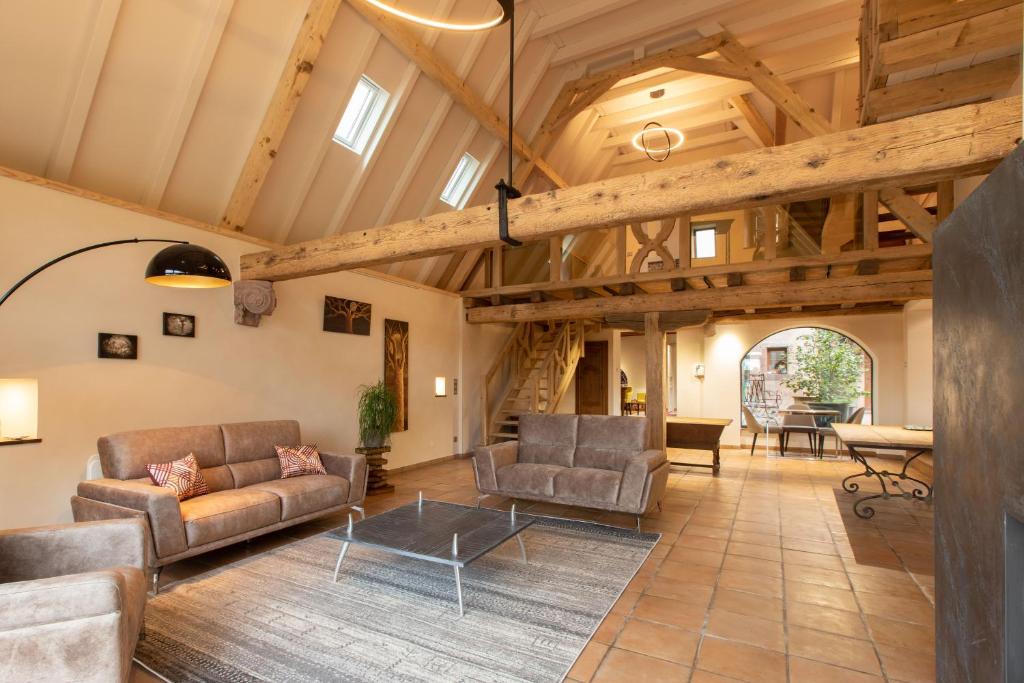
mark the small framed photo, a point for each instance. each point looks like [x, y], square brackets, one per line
[179, 325]
[118, 346]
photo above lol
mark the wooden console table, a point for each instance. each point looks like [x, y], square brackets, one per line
[697, 433]
[376, 476]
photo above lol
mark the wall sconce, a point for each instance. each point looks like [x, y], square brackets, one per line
[698, 371]
[19, 410]
[440, 387]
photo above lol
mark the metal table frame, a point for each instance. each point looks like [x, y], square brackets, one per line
[893, 483]
[920, 490]
[456, 561]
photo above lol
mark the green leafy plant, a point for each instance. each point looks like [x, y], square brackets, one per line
[377, 410]
[829, 367]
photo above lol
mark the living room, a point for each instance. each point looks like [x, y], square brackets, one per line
[510, 340]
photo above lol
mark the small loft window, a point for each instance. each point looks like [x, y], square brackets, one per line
[361, 115]
[704, 243]
[460, 185]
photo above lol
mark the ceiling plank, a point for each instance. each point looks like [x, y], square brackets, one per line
[903, 286]
[396, 31]
[62, 156]
[201, 58]
[910, 212]
[283, 103]
[931, 147]
[573, 15]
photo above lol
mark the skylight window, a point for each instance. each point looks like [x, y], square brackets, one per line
[361, 115]
[704, 243]
[460, 185]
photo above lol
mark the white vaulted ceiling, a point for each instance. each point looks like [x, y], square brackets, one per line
[159, 101]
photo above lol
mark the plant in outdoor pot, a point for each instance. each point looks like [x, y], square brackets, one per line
[377, 411]
[830, 368]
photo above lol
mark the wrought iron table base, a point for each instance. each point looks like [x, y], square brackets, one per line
[919, 491]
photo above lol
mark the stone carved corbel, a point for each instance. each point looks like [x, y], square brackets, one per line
[253, 299]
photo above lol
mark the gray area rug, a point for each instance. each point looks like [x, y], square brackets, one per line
[278, 616]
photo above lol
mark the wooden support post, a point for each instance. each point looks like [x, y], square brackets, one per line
[655, 346]
[620, 250]
[685, 238]
[497, 267]
[944, 196]
[870, 213]
[555, 258]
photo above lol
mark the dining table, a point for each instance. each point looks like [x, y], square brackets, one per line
[913, 442]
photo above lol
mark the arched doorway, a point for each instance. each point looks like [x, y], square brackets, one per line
[808, 365]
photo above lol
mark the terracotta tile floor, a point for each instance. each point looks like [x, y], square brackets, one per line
[762, 574]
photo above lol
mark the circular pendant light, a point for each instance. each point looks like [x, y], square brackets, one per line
[188, 266]
[653, 133]
[505, 7]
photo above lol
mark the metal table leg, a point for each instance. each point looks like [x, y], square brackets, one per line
[522, 547]
[341, 556]
[919, 490]
[458, 589]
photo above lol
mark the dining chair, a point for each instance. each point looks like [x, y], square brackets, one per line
[799, 424]
[855, 419]
[754, 426]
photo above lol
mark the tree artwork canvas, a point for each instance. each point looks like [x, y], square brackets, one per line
[346, 316]
[396, 369]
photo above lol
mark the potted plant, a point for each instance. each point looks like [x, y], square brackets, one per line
[377, 410]
[829, 368]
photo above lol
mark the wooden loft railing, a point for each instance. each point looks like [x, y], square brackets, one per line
[530, 375]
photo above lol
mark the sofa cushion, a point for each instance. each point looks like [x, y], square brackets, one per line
[587, 484]
[607, 441]
[126, 454]
[310, 493]
[547, 439]
[531, 478]
[245, 441]
[255, 471]
[181, 476]
[297, 461]
[225, 514]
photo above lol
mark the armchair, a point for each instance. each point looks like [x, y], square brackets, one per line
[72, 599]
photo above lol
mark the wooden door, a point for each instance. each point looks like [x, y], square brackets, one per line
[592, 380]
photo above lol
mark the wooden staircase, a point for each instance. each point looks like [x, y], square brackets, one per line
[530, 375]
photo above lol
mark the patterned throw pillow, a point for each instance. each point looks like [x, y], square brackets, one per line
[182, 476]
[299, 460]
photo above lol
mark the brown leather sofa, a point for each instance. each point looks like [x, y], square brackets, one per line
[72, 599]
[247, 496]
[594, 461]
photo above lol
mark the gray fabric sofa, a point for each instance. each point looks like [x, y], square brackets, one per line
[72, 599]
[247, 496]
[593, 461]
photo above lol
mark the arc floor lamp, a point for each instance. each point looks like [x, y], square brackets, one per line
[181, 265]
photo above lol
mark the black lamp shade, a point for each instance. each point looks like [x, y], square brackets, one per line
[188, 265]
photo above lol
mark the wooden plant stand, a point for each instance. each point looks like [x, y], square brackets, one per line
[377, 476]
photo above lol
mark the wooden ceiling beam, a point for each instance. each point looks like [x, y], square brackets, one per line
[920, 149]
[757, 128]
[283, 104]
[904, 286]
[977, 82]
[399, 34]
[918, 220]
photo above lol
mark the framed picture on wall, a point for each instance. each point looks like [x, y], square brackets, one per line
[346, 316]
[179, 325]
[118, 346]
[396, 368]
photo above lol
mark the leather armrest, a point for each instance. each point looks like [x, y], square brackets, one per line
[487, 460]
[635, 474]
[351, 467]
[25, 604]
[159, 503]
[43, 552]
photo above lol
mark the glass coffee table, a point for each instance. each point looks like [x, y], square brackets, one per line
[444, 533]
